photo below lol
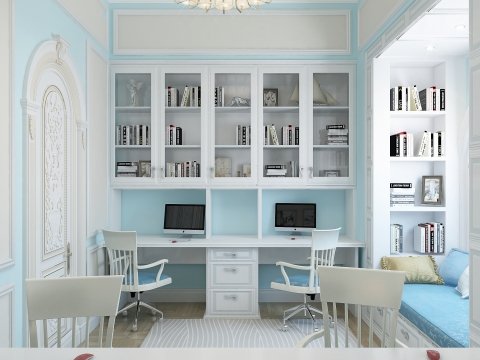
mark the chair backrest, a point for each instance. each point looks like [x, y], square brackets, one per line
[122, 255]
[324, 245]
[67, 299]
[361, 287]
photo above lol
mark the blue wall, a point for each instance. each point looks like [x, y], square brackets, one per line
[34, 22]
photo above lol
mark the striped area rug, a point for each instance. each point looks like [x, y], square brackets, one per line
[229, 333]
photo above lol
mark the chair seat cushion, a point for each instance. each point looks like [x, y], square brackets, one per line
[295, 280]
[147, 276]
[439, 312]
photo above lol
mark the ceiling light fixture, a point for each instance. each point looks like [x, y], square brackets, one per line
[223, 5]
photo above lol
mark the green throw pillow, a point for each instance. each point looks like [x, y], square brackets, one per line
[419, 269]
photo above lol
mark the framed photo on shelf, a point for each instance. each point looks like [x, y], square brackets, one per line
[144, 168]
[432, 190]
[270, 97]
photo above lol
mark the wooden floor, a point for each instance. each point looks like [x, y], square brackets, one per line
[125, 337]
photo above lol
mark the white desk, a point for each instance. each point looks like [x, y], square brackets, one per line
[239, 354]
[232, 267]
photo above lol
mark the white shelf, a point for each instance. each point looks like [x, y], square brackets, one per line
[274, 109]
[327, 108]
[416, 114]
[246, 147]
[331, 146]
[133, 146]
[182, 146]
[281, 147]
[419, 209]
[186, 109]
[144, 109]
[220, 109]
[416, 159]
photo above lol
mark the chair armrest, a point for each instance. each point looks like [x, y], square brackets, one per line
[156, 263]
[309, 338]
[293, 266]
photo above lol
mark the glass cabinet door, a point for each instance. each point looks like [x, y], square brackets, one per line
[332, 128]
[281, 130]
[233, 130]
[132, 127]
[183, 133]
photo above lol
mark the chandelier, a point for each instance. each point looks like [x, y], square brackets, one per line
[223, 5]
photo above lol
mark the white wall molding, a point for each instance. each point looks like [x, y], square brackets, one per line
[132, 31]
[7, 312]
[6, 136]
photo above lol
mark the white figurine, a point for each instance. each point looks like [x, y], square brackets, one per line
[133, 88]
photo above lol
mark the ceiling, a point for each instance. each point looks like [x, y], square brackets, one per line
[442, 32]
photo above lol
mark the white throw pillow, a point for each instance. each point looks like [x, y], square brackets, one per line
[463, 284]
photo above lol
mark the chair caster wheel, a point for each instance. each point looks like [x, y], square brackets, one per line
[284, 328]
[134, 326]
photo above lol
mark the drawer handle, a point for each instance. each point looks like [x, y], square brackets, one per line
[405, 334]
[232, 254]
[232, 270]
[231, 297]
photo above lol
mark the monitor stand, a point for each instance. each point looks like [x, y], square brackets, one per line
[296, 234]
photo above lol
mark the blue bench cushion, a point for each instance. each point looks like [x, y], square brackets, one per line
[439, 312]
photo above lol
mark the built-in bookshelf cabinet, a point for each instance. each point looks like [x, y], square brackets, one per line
[233, 125]
[399, 159]
[331, 132]
[213, 125]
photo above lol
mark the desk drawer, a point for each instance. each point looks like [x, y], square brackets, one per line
[232, 274]
[232, 302]
[232, 254]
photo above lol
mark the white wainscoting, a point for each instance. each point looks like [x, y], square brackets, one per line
[6, 314]
[158, 32]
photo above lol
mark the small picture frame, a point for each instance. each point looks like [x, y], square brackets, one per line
[432, 190]
[331, 173]
[270, 97]
[144, 168]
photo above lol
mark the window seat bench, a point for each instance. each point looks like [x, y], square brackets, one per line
[438, 312]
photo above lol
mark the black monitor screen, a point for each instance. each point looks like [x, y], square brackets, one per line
[184, 217]
[295, 215]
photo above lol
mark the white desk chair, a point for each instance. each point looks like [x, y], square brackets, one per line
[67, 299]
[360, 287]
[122, 254]
[324, 244]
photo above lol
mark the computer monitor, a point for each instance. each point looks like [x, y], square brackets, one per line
[184, 219]
[295, 217]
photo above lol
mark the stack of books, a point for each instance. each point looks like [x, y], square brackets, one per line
[290, 135]
[275, 170]
[173, 135]
[219, 96]
[127, 169]
[402, 195]
[432, 144]
[192, 96]
[171, 97]
[337, 134]
[183, 169]
[132, 135]
[429, 238]
[408, 98]
[396, 238]
[401, 144]
[242, 135]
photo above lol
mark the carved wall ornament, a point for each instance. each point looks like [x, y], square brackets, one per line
[31, 127]
[61, 48]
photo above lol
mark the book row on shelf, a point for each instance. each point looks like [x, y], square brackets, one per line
[429, 238]
[134, 168]
[402, 194]
[396, 238]
[337, 134]
[132, 135]
[282, 170]
[219, 96]
[191, 97]
[290, 135]
[173, 135]
[183, 169]
[431, 144]
[408, 98]
[243, 135]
